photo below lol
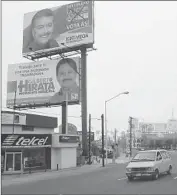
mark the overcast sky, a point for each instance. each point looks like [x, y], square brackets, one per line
[136, 51]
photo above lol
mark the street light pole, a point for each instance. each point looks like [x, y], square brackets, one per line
[106, 131]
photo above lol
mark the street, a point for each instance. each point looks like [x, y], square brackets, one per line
[109, 180]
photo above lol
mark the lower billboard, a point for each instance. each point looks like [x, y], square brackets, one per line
[47, 82]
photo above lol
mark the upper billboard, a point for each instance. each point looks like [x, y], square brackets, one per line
[59, 29]
[44, 82]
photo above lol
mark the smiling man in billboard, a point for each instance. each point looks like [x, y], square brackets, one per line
[66, 73]
[42, 27]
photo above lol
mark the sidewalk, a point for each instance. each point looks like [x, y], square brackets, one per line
[37, 176]
[49, 174]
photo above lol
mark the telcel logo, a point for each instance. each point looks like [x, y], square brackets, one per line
[31, 142]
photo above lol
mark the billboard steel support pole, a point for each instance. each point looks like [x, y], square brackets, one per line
[13, 127]
[84, 99]
[65, 116]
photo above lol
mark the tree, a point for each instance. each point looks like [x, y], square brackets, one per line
[122, 143]
[152, 144]
[144, 141]
[95, 149]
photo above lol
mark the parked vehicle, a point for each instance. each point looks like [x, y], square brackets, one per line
[149, 163]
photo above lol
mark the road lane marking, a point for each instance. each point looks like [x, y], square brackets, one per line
[175, 178]
[122, 178]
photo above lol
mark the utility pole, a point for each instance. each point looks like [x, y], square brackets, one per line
[115, 134]
[89, 139]
[130, 123]
[102, 127]
[114, 146]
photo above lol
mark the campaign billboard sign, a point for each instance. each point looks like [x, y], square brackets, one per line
[68, 139]
[25, 140]
[58, 29]
[47, 82]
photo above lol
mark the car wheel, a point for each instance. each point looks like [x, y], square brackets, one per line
[169, 170]
[156, 175]
[130, 178]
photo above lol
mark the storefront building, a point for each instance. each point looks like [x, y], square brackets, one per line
[64, 151]
[26, 143]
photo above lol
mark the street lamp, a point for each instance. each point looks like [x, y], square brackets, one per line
[106, 131]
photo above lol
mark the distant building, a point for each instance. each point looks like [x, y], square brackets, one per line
[153, 128]
[172, 126]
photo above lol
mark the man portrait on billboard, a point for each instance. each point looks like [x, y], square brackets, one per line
[42, 27]
[66, 73]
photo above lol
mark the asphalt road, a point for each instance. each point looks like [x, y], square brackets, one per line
[110, 180]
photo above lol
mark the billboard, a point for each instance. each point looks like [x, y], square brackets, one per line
[47, 82]
[58, 29]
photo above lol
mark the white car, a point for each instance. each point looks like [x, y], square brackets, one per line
[149, 163]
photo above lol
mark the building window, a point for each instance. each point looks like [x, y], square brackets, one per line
[27, 128]
[34, 158]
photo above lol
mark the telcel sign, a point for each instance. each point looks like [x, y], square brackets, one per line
[31, 142]
[26, 140]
